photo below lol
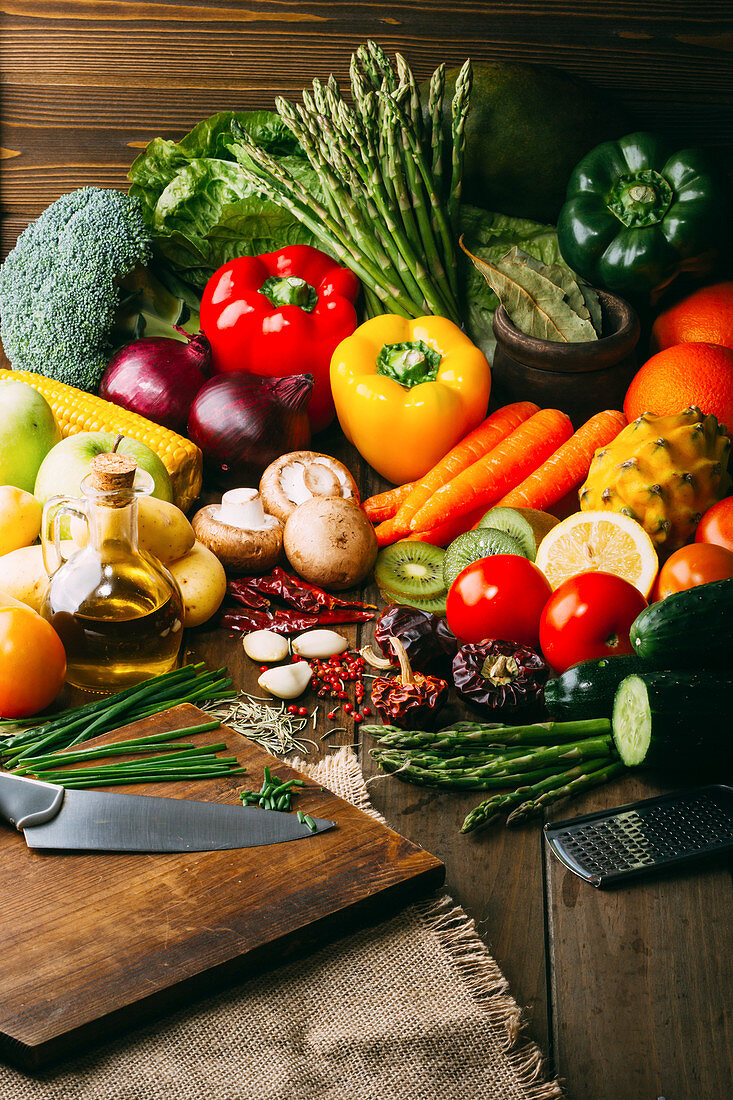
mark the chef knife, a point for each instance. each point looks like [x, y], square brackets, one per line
[51, 817]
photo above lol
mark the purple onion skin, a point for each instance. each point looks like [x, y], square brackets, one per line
[158, 377]
[242, 422]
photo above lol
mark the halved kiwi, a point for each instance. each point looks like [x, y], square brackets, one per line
[436, 604]
[527, 525]
[413, 570]
[472, 545]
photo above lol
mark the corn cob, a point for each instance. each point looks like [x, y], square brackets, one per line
[76, 411]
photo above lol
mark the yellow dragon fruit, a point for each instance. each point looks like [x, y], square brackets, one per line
[664, 472]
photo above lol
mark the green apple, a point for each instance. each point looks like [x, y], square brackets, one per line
[67, 464]
[28, 431]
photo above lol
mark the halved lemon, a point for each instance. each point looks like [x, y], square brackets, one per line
[607, 542]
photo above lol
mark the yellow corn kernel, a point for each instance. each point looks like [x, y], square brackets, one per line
[76, 411]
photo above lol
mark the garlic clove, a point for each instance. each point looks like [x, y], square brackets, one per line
[320, 643]
[286, 681]
[265, 646]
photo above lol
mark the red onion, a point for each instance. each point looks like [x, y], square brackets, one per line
[158, 377]
[242, 422]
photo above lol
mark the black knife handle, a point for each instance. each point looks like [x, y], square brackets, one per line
[25, 802]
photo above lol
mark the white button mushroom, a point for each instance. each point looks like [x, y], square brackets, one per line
[243, 537]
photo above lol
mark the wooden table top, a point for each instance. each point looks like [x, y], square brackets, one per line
[629, 992]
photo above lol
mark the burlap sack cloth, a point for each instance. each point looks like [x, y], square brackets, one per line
[415, 1007]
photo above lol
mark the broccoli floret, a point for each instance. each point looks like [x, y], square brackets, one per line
[60, 287]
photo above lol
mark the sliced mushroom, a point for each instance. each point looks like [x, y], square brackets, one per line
[243, 537]
[299, 476]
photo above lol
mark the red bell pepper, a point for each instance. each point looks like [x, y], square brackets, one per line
[281, 313]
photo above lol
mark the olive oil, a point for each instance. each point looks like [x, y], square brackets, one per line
[117, 610]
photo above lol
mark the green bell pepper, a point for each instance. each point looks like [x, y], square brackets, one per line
[637, 215]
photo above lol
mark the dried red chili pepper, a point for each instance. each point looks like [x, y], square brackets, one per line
[294, 591]
[286, 622]
[246, 595]
[409, 700]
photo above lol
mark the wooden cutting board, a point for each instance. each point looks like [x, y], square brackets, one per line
[93, 942]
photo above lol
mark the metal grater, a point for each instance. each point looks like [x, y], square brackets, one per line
[613, 845]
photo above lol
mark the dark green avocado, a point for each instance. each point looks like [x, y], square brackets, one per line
[527, 128]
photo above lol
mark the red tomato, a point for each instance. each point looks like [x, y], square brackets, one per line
[692, 565]
[716, 526]
[589, 616]
[32, 662]
[498, 597]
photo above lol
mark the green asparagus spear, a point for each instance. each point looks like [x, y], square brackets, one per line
[570, 787]
[491, 808]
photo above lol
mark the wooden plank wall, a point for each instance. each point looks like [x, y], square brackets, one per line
[86, 84]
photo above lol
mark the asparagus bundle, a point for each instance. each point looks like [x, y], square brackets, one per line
[389, 200]
[556, 760]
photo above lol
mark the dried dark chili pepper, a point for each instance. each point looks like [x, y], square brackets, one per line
[286, 622]
[429, 641]
[504, 678]
[409, 700]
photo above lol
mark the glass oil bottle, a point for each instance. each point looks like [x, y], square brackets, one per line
[116, 608]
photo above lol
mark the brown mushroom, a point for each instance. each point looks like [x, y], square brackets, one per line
[330, 542]
[243, 537]
[299, 476]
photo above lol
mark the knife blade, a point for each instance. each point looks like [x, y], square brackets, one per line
[53, 818]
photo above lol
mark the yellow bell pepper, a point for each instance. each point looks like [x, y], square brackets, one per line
[407, 390]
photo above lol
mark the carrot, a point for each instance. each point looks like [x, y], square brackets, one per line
[479, 442]
[446, 532]
[485, 481]
[387, 532]
[385, 505]
[568, 467]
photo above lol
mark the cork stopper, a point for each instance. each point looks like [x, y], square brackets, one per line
[111, 473]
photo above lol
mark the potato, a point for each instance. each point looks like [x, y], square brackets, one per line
[20, 518]
[202, 581]
[163, 530]
[23, 575]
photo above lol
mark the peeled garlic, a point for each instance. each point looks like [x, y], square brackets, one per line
[320, 643]
[265, 646]
[286, 681]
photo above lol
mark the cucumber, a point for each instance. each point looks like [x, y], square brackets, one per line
[691, 629]
[674, 719]
[587, 689]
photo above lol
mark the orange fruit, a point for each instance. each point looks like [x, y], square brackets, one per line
[606, 542]
[703, 317]
[684, 375]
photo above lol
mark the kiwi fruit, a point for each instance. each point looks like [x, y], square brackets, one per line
[435, 605]
[412, 570]
[472, 545]
[527, 525]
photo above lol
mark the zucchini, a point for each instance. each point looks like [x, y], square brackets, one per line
[691, 629]
[587, 689]
[674, 719]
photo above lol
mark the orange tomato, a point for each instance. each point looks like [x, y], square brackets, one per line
[692, 565]
[716, 526]
[32, 662]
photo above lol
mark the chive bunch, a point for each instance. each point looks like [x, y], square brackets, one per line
[190, 684]
[163, 760]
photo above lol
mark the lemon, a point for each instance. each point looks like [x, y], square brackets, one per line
[606, 542]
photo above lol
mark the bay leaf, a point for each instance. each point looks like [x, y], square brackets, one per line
[534, 304]
[592, 304]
